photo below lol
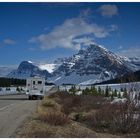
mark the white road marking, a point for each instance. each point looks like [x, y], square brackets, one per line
[3, 108]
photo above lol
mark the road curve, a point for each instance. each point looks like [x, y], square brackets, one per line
[14, 109]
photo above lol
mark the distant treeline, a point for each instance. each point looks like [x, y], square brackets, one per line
[132, 77]
[7, 82]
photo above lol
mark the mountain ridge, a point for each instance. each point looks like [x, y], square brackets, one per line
[28, 69]
[90, 65]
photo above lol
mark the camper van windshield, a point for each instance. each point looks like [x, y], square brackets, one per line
[33, 82]
[39, 82]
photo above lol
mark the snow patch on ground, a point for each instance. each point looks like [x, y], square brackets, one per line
[118, 100]
[13, 90]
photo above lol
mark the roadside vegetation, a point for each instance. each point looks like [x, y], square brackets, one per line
[92, 113]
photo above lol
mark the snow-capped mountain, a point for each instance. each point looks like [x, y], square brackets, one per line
[90, 65]
[4, 70]
[94, 64]
[27, 69]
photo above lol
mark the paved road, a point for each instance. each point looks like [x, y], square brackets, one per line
[14, 109]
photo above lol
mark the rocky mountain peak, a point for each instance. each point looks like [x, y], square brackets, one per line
[27, 69]
[90, 65]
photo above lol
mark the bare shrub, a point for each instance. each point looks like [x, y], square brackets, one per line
[54, 118]
[48, 103]
[69, 103]
[62, 94]
[66, 109]
[79, 103]
[101, 118]
[92, 102]
[126, 119]
[119, 117]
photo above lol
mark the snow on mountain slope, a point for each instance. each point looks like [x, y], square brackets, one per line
[90, 65]
[71, 79]
[94, 64]
[49, 67]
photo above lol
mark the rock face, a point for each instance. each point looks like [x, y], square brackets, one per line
[94, 64]
[91, 65]
[27, 69]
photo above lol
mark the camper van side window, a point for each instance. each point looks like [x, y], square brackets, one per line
[39, 82]
[33, 82]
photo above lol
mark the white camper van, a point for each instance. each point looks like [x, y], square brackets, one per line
[35, 87]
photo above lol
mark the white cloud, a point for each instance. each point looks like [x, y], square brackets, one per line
[113, 27]
[86, 13]
[108, 10]
[130, 52]
[84, 40]
[9, 41]
[64, 34]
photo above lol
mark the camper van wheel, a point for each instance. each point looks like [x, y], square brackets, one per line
[30, 97]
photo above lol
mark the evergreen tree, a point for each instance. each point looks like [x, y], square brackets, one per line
[107, 92]
[79, 89]
[125, 90]
[139, 96]
[119, 95]
[7, 82]
[99, 91]
[125, 95]
[93, 90]
[109, 89]
[83, 92]
[115, 93]
[112, 96]
[86, 91]
[18, 89]
[103, 92]
[121, 89]
[73, 89]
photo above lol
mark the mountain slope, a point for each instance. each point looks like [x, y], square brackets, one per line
[4, 70]
[94, 64]
[27, 69]
[131, 77]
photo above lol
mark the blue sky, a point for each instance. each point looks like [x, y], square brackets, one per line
[42, 32]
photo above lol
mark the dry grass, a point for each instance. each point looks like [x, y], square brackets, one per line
[54, 118]
[76, 130]
[62, 115]
[49, 112]
[37, 129]
[50, 121]
[47, 103]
